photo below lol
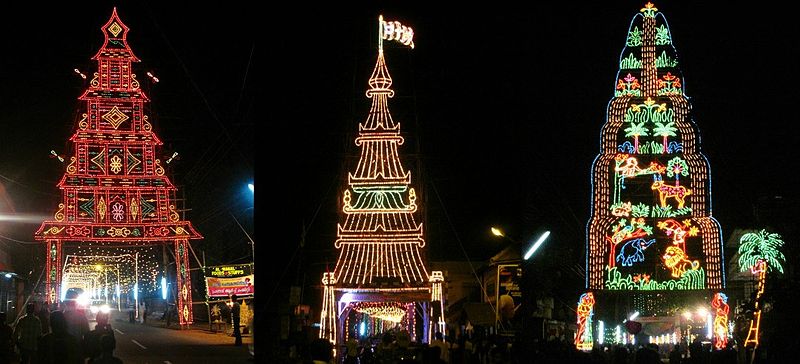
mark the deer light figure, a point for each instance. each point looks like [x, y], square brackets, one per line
[665, 191]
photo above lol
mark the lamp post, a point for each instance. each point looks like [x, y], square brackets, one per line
[519, 283]
[497, 232]
[252, 243]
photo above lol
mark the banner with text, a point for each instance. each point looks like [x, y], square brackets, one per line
[224, 287]
[229, 271]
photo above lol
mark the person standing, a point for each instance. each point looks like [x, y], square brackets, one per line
[59, 347]
[142, 311]
[236, 317]
[107, 343]
[93, 338]
[27, 333]
[77, 323]
[6, 340]
[444, 353]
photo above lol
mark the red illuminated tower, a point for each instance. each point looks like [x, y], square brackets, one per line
[114, 191]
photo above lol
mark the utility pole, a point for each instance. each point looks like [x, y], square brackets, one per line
[252, 243]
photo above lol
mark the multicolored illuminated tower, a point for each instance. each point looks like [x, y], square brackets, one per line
[114, 191]
[380, 279]
[651, 227]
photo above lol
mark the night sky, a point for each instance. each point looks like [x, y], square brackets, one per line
[202, 108]
[501, 108]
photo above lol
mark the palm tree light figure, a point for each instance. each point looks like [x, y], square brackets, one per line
[759, 252]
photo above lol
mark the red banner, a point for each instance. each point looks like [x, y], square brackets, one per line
[224, 287]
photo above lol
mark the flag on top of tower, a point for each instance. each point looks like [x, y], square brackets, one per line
[393, 30]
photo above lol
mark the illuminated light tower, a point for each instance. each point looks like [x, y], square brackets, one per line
[651, 229]
[381, 270]
[114, 191]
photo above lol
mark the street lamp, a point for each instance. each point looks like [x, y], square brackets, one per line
[251, 187]
[536, 245]
[497, 232]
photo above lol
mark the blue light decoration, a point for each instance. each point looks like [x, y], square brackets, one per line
[362, 329]
[136, 291]
[651, 226]
[116, 291]
[651, 185]
[163, 288]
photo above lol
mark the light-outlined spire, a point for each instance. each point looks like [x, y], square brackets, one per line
[115, 44]
[380, 80]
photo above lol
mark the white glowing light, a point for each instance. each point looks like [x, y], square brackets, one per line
[602, 328]
[537, 244]
[635, 315]
[83, 299]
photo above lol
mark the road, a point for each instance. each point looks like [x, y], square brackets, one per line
[150, 344]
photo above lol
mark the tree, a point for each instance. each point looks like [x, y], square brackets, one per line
[677, 167]
[759, 252]
[636, 130]
[761, 246]
[665, 130]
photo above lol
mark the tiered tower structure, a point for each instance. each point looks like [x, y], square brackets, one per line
[651, 228]
[380, 279]
[114, 191]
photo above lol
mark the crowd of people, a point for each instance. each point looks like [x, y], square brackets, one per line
[396, 347]
[57, 337]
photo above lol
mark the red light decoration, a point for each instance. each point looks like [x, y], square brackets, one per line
[651, 128]
[583, 338]
[720, 303]
[651, 226]
[114, 191]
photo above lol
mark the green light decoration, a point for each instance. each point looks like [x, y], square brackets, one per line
[640, 210]
[664, 61]
[649, 111]
[665, 130]
[677, 167]
[690, 280]
[634, 38]
[636, 130]
[662, 35]
[761, 246]
[651, 147]
[667, 211]
[631, 179]
[631, 62]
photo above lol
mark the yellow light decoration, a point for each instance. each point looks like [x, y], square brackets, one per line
[755, 323]
[583, 337]
[384, 311]
[720, 303]
[650, 125]
[393, 30]
[676, 260]
[379, 241]
[380, 237]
